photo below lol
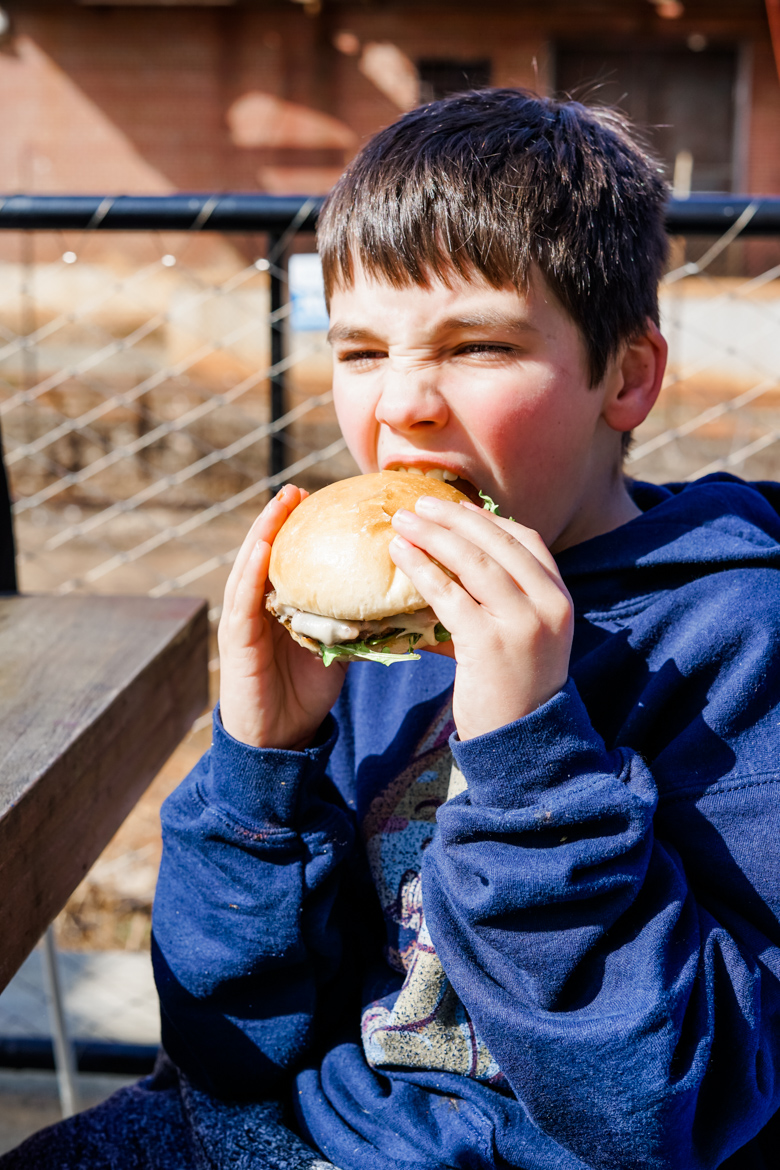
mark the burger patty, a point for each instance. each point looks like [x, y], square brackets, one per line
[332, 631]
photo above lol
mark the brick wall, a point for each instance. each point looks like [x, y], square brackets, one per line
[764, 157]
[158, 99]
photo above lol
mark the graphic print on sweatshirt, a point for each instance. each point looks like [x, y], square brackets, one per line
[424, 1025]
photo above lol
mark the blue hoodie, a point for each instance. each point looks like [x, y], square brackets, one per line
[553, 946]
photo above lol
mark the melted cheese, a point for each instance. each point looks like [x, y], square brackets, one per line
[331, 631]
[327, 630]
[422, 622]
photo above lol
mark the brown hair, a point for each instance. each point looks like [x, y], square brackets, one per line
[495, 181]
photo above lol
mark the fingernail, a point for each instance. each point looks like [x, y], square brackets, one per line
[426, 504]
[402, 516]
[399, 542]
[468, 504]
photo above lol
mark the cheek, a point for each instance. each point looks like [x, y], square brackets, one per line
[535, 426]
[355, 414]
[523, 409]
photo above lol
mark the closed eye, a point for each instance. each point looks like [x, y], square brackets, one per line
[360, 355]
[488, 347]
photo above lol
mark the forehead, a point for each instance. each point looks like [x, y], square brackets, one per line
[370, 304]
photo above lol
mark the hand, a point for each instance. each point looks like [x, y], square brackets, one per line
[273, 692]
[510, 617]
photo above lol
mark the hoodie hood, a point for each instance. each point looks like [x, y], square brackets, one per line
[686, 530]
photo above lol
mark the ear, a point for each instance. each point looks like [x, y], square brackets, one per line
[637, 380]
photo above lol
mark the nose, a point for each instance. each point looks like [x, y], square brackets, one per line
[410, 401]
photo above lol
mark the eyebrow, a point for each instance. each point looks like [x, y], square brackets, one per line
[350, 333]
[486, 320]
[489, 320]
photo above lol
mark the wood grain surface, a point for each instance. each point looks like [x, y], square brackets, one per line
[95, 693]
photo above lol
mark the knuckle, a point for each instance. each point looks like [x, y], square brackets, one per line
[558, 616]
[502, 537]
[534, 540]
[564, 609]
[507, 537]
[477, 559]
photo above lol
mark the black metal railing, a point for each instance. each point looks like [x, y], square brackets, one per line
[146, 213]
[281, 217]
[700, 214]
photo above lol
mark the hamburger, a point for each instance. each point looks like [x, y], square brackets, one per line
[334, 585]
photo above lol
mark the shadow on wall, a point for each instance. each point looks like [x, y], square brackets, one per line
[117, 100]
[261, 120]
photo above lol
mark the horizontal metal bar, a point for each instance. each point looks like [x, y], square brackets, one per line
[248, 212]
[95, 1056]
[175, 213]
[711, 215]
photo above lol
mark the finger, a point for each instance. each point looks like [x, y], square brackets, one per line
[247, 607]
[480, 574]
[265, 528]
[527, 536]
[486, 557]
[451, 603]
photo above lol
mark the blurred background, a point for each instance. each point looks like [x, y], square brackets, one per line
[156, 385]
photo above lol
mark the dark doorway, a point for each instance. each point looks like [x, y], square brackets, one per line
[439, 77]
[682, 97]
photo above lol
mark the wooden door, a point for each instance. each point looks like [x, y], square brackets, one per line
[683, 98]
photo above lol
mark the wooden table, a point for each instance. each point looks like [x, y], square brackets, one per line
[95, 693]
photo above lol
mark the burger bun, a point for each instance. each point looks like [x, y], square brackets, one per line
[331, 556]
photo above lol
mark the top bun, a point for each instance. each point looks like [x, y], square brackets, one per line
[331, 556]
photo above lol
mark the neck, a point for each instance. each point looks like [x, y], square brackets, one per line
[608, 510]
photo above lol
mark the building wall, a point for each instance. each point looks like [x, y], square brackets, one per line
[145, 99]
[764, 154]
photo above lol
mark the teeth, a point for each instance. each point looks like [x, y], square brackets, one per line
[433, 473]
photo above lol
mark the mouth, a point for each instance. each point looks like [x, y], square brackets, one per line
[465, 486]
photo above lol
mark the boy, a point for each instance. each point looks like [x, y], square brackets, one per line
[515, 906]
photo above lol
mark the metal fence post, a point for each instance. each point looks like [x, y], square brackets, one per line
[278, 271]
[7, 545]
[64, 1056]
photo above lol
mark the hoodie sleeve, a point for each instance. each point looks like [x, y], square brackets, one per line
[631, 1000]
[246, 938]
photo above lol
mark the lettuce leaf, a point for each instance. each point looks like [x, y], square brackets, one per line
[491, 506]
[441, 633]
[364, 650]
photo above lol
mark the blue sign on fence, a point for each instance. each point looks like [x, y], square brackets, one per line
[307, 294]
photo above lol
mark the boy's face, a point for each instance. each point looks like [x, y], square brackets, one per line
[491, 384]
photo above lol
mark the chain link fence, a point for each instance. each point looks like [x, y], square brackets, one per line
[152, 394]
[163, 370]
[720, 305]
[156, 387]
